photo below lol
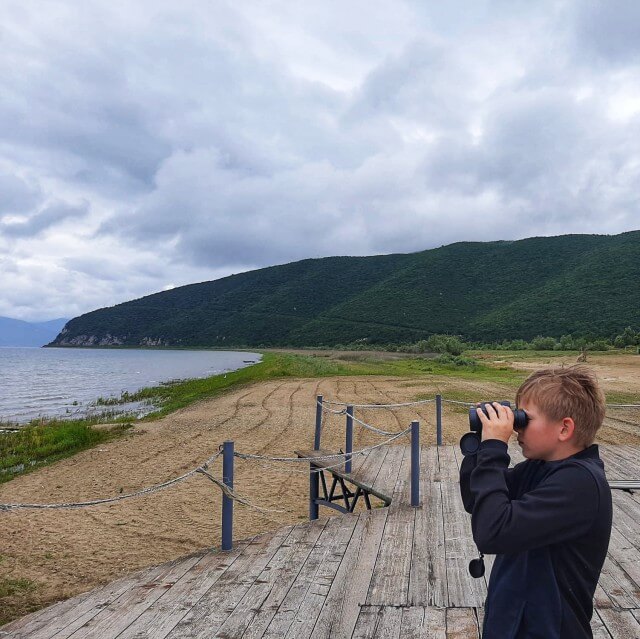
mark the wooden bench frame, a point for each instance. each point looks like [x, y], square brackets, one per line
[329, 496]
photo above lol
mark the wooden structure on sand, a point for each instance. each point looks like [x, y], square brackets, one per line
[393, 571]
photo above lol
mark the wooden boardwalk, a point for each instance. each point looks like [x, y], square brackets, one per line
[389, 572]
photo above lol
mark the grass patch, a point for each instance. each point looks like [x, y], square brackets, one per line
[36, 445]
[10, 587]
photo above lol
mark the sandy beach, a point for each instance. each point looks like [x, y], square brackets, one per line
[65, 552]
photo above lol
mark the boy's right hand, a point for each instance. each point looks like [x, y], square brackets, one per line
[499, 424]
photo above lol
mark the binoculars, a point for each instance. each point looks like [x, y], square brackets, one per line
[470, 441]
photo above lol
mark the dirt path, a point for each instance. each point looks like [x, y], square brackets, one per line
[67, 552]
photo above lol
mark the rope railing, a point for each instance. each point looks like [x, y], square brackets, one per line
[374, 429]
[318, 458]
[138, 493]
[400, 405]
[326, 402]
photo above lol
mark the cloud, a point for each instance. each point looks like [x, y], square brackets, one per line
[43, 219]
[145, 145]
[17, 195]
[609, 31]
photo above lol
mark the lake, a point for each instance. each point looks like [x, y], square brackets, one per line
[66, 382]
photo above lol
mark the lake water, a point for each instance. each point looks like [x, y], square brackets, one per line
[59, 382]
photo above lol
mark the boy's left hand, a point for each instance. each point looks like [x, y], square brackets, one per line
[499, 424]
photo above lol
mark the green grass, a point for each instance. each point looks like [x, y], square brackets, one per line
[40, 444]
[10, 587]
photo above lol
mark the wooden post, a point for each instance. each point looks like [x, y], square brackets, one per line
[439, 420]
[349, 440]
[227, 502]
[318, 433]
[415, 464]
[314, 488]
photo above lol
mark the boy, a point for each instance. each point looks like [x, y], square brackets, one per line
[548, 519]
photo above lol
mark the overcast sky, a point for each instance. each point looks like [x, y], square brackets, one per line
[151, 144]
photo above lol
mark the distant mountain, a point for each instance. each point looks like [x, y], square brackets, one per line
[15, 332]
[584, 285]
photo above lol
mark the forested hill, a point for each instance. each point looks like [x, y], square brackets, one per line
[585, 285]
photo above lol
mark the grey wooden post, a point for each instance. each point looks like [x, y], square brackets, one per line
[439, 420]
[314, 485]
[318, 433]
[349, 440]
[415, 463]
[227, 502]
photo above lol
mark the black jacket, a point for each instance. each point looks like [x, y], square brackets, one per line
[549, 524]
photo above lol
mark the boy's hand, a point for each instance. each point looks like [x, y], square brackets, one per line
[499, 424]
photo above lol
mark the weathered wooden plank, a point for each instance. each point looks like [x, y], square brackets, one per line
[368, 469]
[45, 623]
[621, 624]
[419, 622]
[462, 623]
[601, 598]
[428, 573]
[349, 588]
[390, 580]
[429, 464]
[366, 623]
[292, 614]
[315, 597]
[254, 611]
[616, 465]
[627, 454]
[622, 565]
[617, 585]
[218, 602]
[117, 616]
[388, 475]
[449, 471]
[463, 590]
[378, 621]
[626, 516]
[160, 618]
[598, 628]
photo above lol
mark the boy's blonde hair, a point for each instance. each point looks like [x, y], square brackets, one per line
[567, 392]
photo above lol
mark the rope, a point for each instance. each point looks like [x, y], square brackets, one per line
[362, 451]
[333, 412]
[108, 500]
[373, 428]
[421, 401]
[453, 401]
[232, 495]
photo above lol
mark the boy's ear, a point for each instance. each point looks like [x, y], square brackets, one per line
[567, 429]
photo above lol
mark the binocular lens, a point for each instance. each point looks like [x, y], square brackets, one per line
[470, 441]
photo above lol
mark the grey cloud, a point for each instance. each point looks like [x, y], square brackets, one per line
[17, 196]
[44, 219]
[608, 30]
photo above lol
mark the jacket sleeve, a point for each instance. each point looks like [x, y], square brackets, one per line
[466, 468]
[563, 506]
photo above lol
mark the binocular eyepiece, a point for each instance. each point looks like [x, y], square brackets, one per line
[470, 441]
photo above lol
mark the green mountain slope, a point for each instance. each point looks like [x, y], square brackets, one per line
[571, 284]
